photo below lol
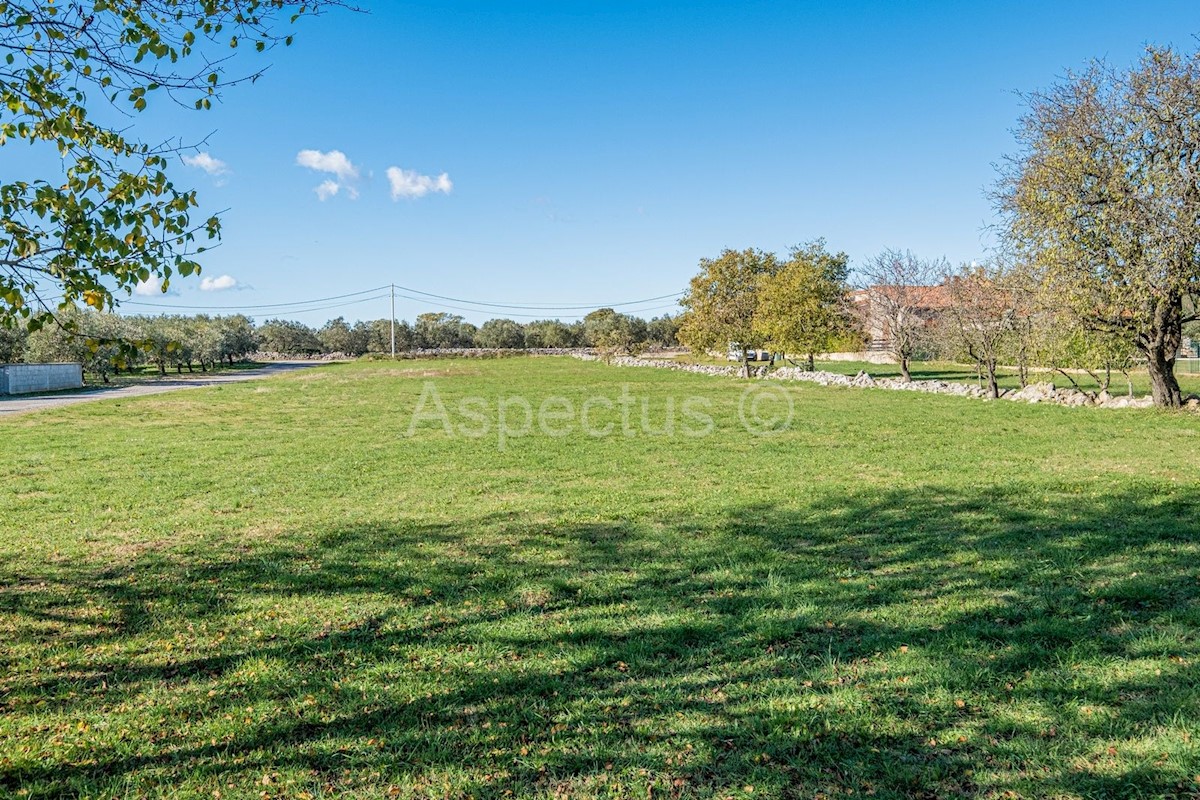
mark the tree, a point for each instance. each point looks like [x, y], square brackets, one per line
[612, 332]
[86, 336]
[335, 336]
[12, 344]
[439, 329]
[237, 337]
[156, 339]
[722, 300]
[504, 334]
[901, 299]
[550, 333]
[1104, 200]
[378, 335]
[288, 337]
[663, 331]
[111, 217]
[980, 316]
[1063, 343]
[804, 306]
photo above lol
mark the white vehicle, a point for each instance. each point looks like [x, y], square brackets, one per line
[735, 353]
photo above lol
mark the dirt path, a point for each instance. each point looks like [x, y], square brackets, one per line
[20, 404]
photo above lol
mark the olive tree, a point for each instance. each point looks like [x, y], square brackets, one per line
[550, 333]
[503, 334]
[1104, 199]
[12, 344]
[236, 336]
[288, 337]
[86, 336]
[663, 331]
[613, 332]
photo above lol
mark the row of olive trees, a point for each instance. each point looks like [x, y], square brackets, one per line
[603, 328]
[109, 343]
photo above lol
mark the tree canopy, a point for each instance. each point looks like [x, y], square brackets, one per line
[804, 306]
[1104, 200]
[722, 300]
[110, 217]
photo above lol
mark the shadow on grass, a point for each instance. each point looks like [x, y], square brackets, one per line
[910, 644]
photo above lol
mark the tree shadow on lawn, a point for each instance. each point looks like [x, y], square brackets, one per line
[910, 644]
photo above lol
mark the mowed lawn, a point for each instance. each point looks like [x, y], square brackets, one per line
[270, 589]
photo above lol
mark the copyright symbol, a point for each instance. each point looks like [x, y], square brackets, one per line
[765, 410]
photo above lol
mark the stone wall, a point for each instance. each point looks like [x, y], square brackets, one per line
[1046, 393]
[29, 378]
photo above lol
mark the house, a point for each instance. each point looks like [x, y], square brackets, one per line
[878, 305]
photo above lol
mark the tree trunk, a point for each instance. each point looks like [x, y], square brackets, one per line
[812, 363]
[993, 387]
[1160, 345]
[905, 375]
[745, 362]
[1163, 386]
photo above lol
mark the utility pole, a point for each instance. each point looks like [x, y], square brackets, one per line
[393, 321]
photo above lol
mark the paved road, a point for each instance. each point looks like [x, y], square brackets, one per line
[26, 403]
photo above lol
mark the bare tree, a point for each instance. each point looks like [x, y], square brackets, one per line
[981, 312]
[901, 295]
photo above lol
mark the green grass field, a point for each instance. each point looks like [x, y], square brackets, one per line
[270, 589]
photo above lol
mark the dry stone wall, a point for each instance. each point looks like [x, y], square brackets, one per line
[1034, 393]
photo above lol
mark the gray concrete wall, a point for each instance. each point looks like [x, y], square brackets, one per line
[28, 378]
[870, 356]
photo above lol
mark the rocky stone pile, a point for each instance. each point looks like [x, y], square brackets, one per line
[678, 366]
[1044, 392]
[270, 355]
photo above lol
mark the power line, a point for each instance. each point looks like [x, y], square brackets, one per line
[515, 314]
[418, 296]
[261, 306]
[336, 305]
[540, 306]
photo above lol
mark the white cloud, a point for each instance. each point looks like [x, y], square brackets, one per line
[204, 161]
[407, 183]
[218, 284]
[334, 162]
[328, 189]
[150, 287]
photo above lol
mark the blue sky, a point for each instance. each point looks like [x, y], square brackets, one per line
[594, 152]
